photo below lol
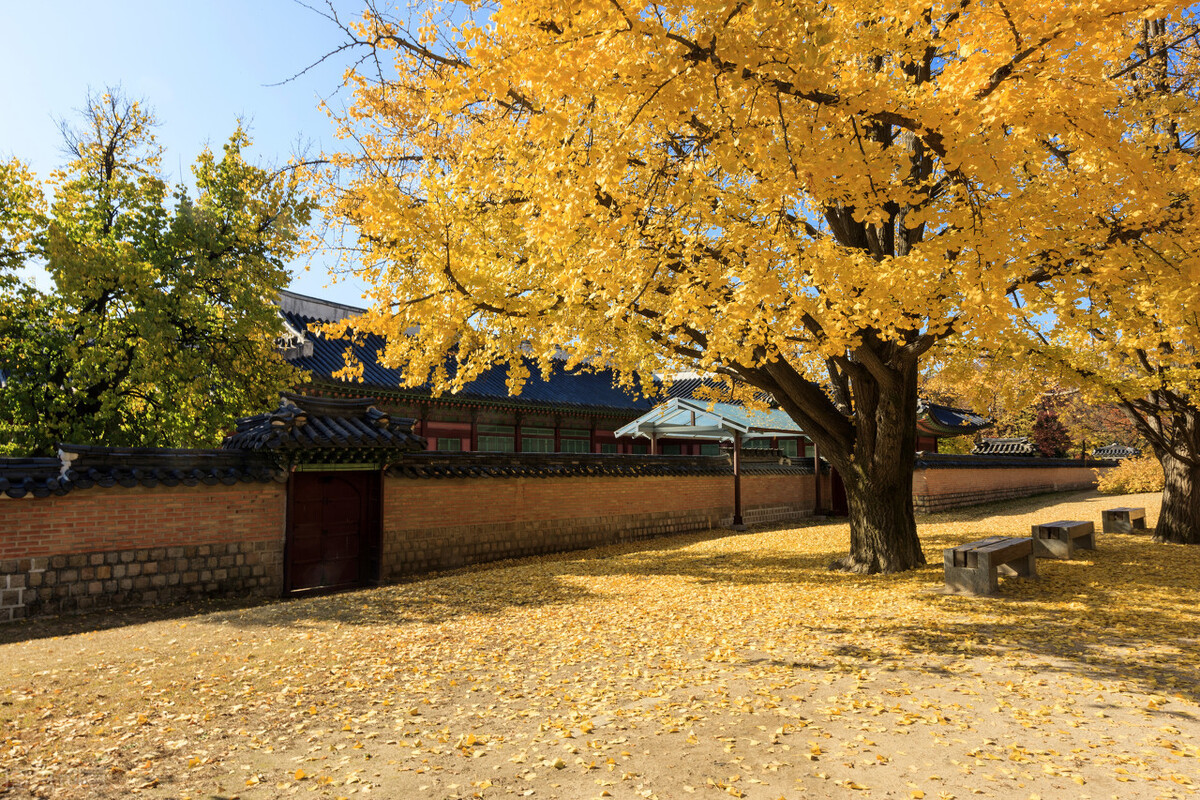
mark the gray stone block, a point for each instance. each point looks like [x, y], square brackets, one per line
[1061, 539]
[1123, 520]
[974, 568]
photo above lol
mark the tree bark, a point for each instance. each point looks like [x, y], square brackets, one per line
[873, 447]
[878, 478]
[1179, 517]
[883, 533]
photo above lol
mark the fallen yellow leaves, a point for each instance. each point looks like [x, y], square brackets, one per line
[586, 674]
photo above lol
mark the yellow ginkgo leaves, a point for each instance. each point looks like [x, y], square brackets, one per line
[827, 683]
[808, 195]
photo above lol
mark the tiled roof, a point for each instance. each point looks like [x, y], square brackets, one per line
[580, 389]
[948, 421]
[84, 467]
[957, 461]
[563, 465]
[326, 427]
[39, 477]
[105, 467]
[1115, 450]
[1020, 446]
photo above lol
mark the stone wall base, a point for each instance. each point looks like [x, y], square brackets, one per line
[763, 516]
[82, 581]
[930, 503]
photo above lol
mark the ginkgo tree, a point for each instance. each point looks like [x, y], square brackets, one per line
[805, 196]
[1132, 342]
[160, 323]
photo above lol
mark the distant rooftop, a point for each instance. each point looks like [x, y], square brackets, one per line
[1013, 446]
[315, 308]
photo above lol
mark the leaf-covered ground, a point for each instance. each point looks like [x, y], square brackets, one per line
[694, 666]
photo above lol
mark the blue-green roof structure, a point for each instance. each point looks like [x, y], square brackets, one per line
[685, 418]
[688, 418]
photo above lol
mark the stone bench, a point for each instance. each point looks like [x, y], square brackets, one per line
[1061, 539]
[974, 568]
[1124, 520]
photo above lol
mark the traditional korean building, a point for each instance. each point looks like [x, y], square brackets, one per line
[570, 412]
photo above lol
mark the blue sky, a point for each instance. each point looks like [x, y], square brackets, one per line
[199, 65]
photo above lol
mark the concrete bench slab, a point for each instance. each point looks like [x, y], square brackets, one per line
[1123, 520]
[1061, 539]
[973, 568]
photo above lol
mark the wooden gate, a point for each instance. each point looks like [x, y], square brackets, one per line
[333, 530]
[838, 507]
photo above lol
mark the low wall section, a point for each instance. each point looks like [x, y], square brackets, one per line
[88, 538]
[942, 482]
[155, 533]
[116, 546]
[444, 524]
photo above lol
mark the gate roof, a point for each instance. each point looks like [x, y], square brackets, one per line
[328, 429]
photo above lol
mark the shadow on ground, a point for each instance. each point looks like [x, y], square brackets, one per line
[82, 622]
[1125, 612]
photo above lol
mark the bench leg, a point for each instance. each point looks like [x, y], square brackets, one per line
[978, 580]
[1052, 548]
[1086, 542]
[971, 580]
[1025, 567]
[1123, 524]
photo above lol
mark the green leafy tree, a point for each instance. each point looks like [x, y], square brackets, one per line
[161, 326]
[27, 331]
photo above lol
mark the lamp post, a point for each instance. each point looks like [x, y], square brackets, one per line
[816, 479]
[738, 524]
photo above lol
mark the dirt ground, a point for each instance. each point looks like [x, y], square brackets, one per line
[693, 666]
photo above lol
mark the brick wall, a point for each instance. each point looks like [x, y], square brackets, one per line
[942, 488]
[109, 546]
[103, 547]
[443, 524]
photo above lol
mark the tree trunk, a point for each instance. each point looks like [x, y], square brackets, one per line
[1179, 518]
[872, 444]
[883, 532]
[879, 477]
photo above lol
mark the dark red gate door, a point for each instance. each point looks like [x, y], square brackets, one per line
[837, 503]
[333, 529]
